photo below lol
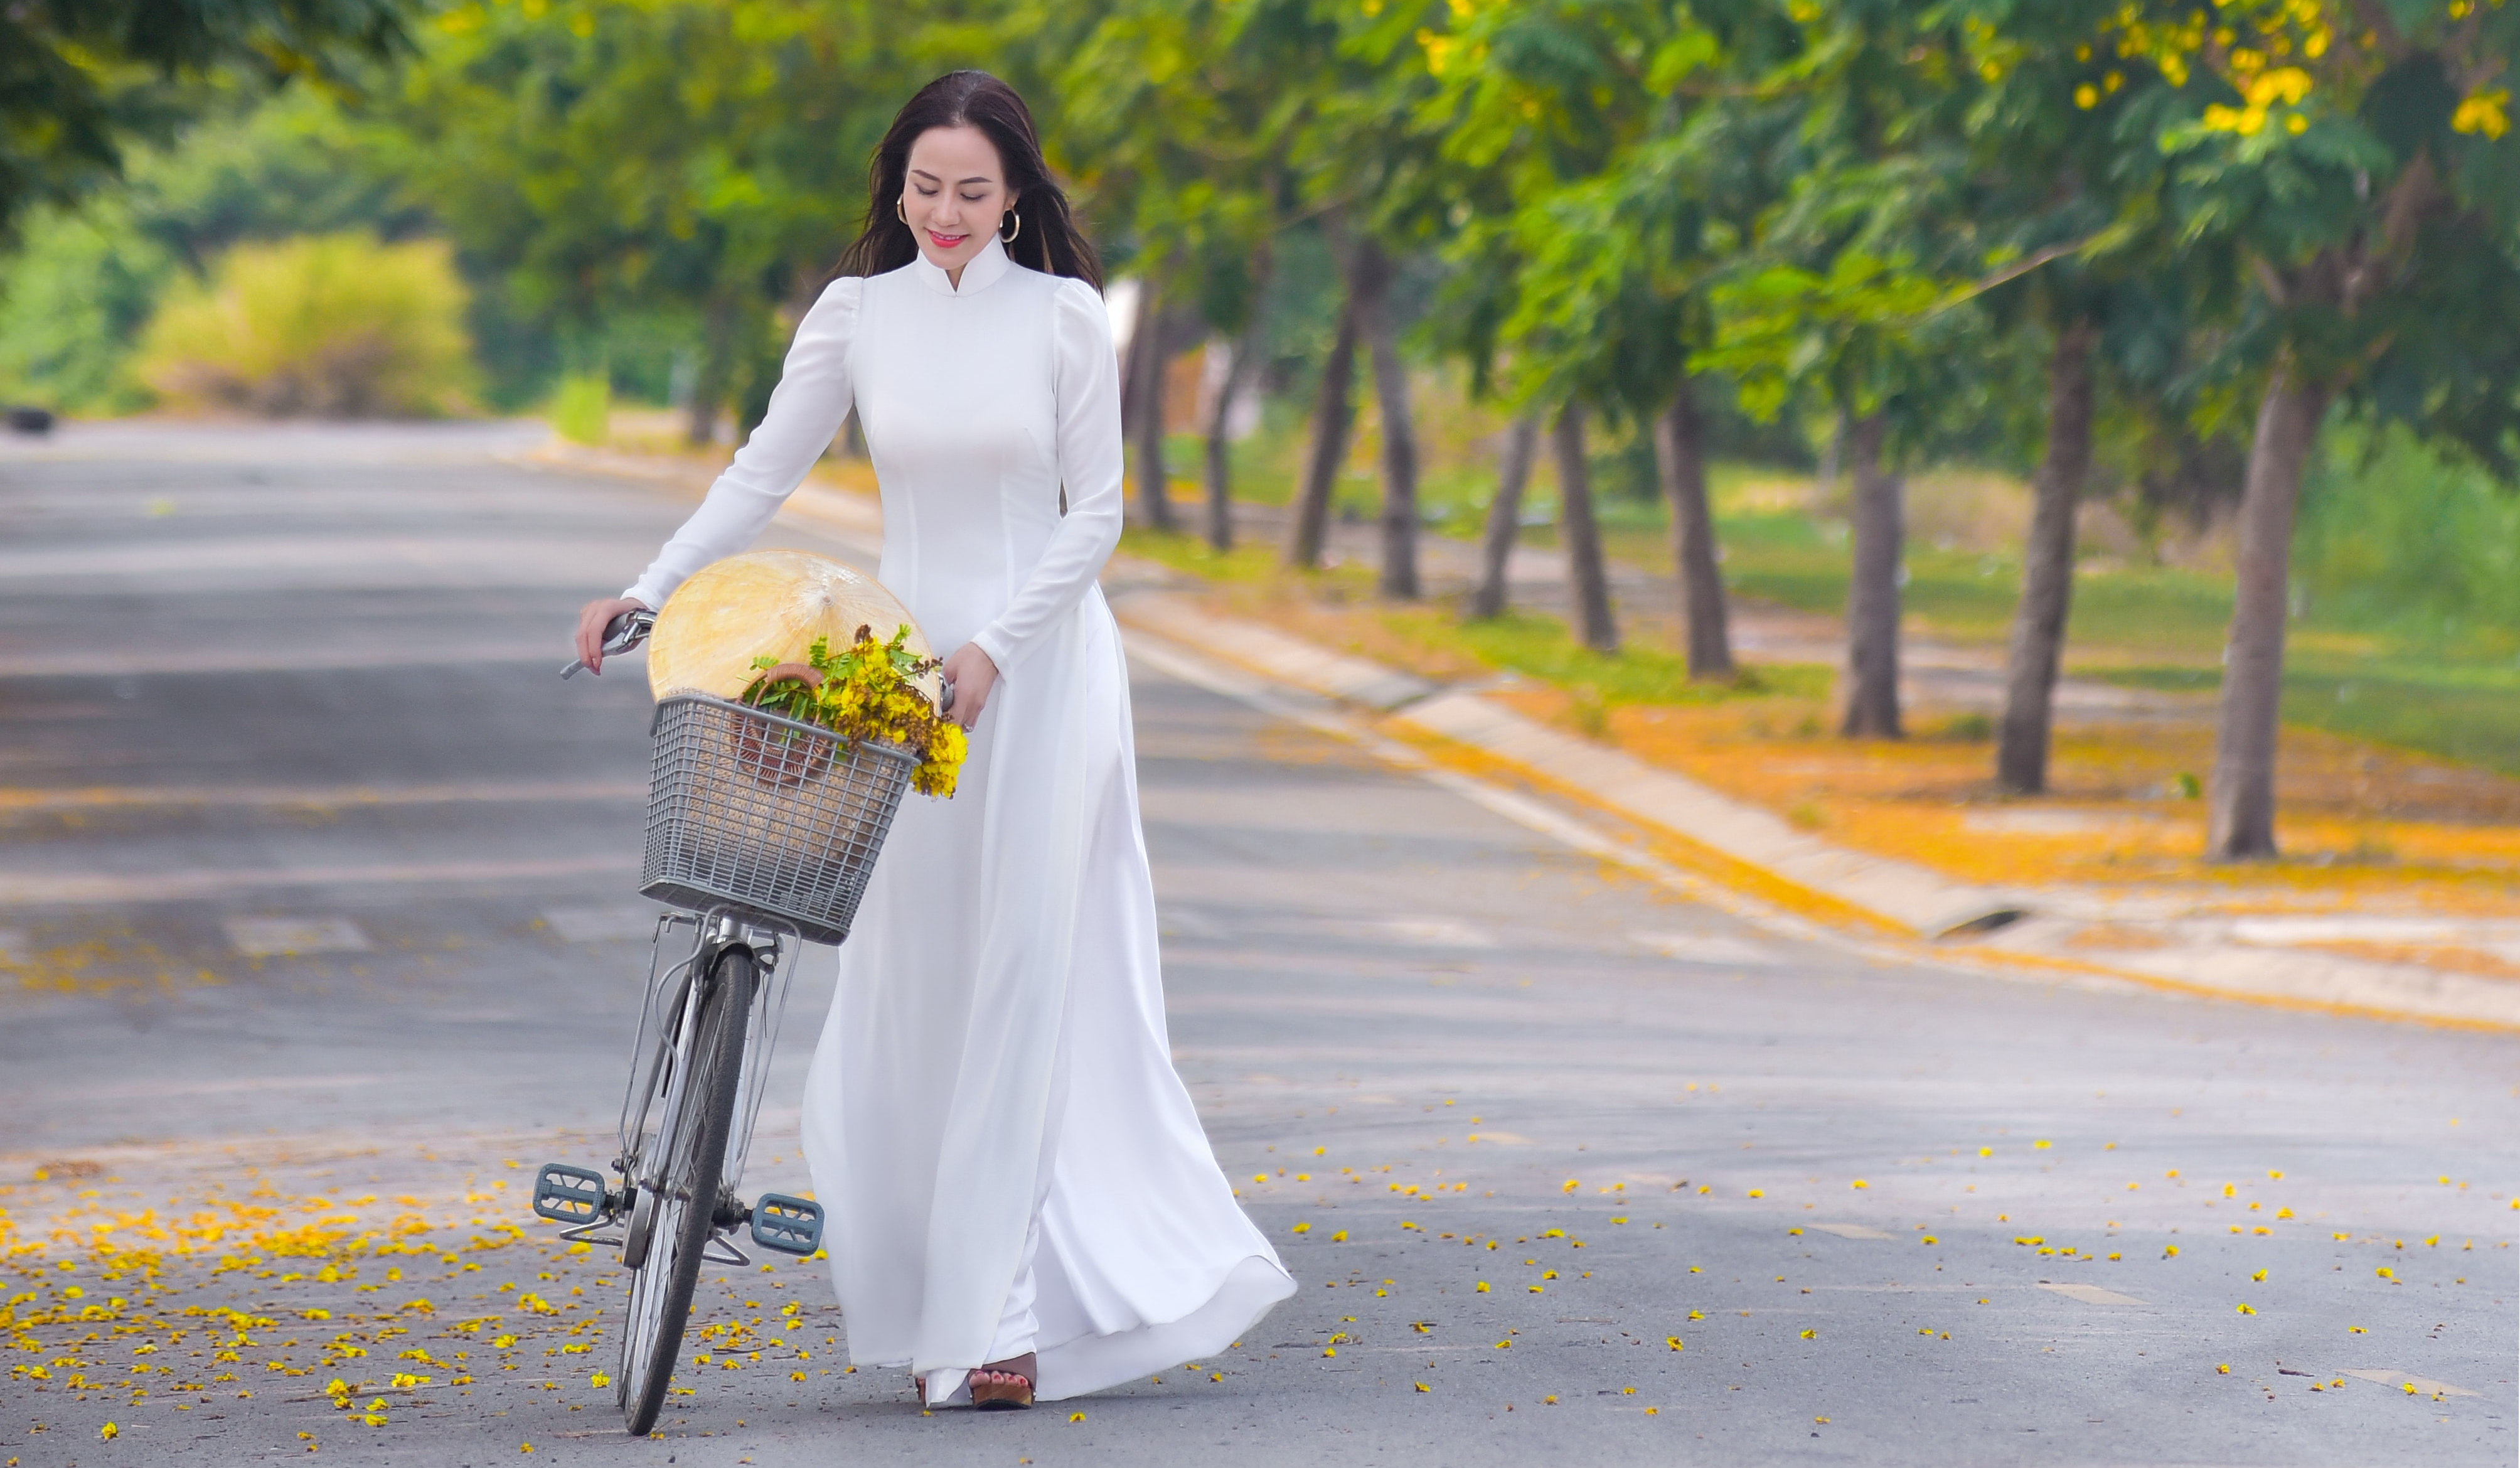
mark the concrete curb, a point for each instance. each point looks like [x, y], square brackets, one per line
[1901, 895]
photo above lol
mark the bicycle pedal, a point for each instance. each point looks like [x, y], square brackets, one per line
[570, 1195]
[791, 1226]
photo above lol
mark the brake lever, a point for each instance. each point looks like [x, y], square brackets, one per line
[620, 635]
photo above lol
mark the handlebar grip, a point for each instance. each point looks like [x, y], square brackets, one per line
[622, 633]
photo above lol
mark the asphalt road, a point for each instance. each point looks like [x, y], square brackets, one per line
[317, 923]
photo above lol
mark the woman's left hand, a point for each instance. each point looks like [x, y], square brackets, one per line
[973, 676]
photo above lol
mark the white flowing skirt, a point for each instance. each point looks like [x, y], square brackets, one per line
[1007, 1159]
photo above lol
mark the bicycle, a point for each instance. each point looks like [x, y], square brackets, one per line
[761, 833]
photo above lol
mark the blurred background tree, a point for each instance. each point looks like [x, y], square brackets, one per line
[330, 326]
[79, 79]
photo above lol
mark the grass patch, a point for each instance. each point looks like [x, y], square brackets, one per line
[1433, 640]
[1965, 596]
[2456, 711]
[1539, 646]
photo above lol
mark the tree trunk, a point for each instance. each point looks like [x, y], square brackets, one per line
[1833, 456]
[1371, 288]
[1504, 514]
[1248, 351]
[716, 378]
[1333, 417]
[2240, 799]
[2047, 568]
[1588, 579]
[1872, 592]
[1680, 453]
[1147, 353]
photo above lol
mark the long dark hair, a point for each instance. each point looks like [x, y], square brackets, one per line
[1048, 240]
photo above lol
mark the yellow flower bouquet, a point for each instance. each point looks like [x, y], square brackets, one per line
[868, 690]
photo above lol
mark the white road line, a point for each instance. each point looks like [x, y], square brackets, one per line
[1853, 1231]
[287, 937]
[602, 925]
[1434, 932]
[2089, 1294]
[1705, 948]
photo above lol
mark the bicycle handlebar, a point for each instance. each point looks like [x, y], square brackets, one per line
[631, 629]
[620, 635]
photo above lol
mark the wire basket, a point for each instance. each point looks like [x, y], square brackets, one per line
[766, 815]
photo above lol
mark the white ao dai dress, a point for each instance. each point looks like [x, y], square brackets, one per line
[1007, 1159]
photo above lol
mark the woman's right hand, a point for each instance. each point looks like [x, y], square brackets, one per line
[592, 620]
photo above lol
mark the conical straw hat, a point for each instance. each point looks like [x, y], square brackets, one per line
[768, 603]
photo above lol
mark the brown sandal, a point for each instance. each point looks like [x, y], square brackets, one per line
[995, 1397]
[1005, 1395]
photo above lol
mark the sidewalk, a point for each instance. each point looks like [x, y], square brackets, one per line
[2425, 967]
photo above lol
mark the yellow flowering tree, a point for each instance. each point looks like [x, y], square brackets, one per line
[2354, 156]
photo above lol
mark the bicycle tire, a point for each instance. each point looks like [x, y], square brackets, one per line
[660, 1289]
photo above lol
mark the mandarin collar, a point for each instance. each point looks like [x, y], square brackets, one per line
[983, 272]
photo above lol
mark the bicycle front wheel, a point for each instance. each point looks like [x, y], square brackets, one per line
[699, 1113]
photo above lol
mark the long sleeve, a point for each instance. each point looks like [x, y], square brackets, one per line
[1087, 382]
[806, 409]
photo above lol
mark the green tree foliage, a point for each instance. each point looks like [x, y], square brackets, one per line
[79, 77]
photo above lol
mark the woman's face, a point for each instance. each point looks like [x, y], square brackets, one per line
[955, 195]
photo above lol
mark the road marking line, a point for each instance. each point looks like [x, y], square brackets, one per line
[1705, 948]
[1853, 1231]
[122, 888]
[602, 925]
[287, 937]
[2424, 1384]
[1435, 933]
[2089, 1294]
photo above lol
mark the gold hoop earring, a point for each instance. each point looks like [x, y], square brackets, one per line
[897, 213]
[1018, 234]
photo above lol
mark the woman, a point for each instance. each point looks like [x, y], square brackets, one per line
[1021, 1199]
